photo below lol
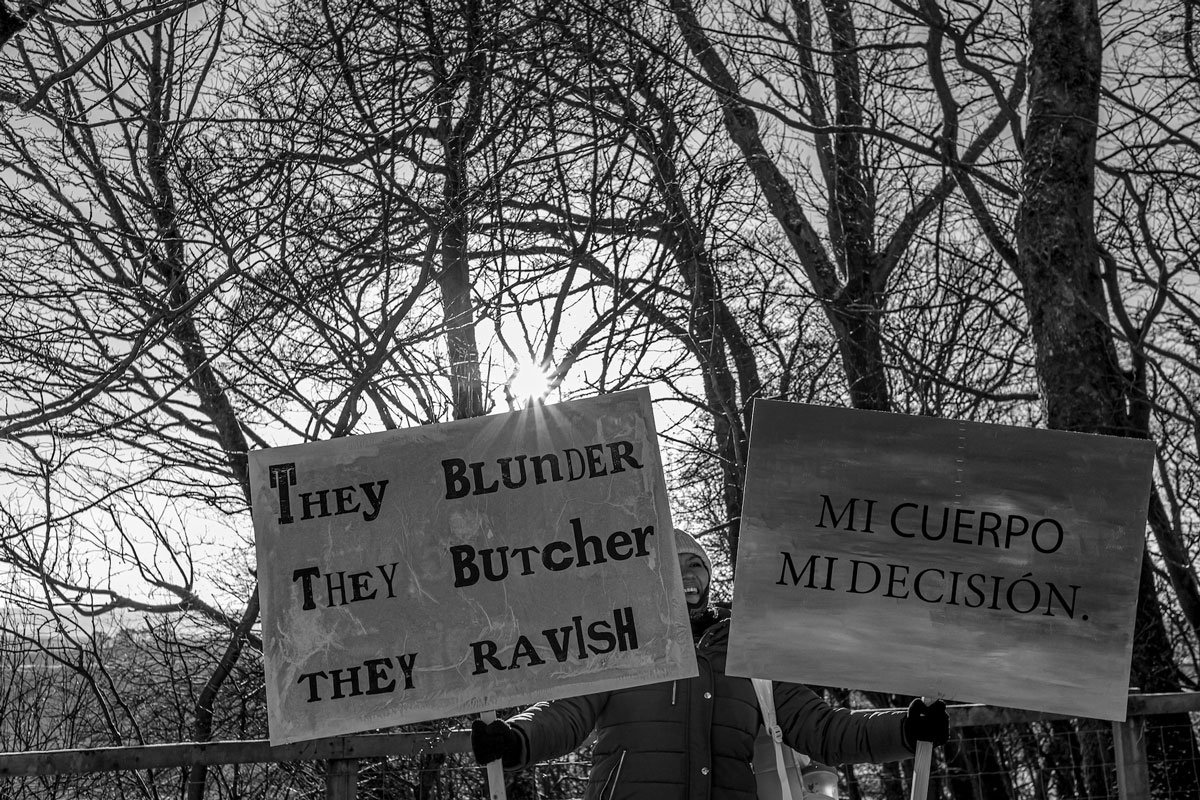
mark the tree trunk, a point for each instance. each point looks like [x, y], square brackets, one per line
[709, 326]
[1083, 386]
[1058, 264]
[466, 383]
[852, 307]
[172, 268]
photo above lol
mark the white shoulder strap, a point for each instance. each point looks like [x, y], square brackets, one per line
[766, 702]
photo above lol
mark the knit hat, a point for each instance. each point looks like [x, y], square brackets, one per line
[699, 613]
[686, 543]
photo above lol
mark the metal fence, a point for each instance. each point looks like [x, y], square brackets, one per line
[994, 753]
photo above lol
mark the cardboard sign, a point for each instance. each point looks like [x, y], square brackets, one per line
[448, 569]
[920, 556]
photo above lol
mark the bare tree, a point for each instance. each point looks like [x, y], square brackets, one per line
[225, 230]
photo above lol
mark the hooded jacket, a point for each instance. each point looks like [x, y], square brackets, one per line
[693, 739]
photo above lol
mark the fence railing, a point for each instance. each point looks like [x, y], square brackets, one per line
[342, 754]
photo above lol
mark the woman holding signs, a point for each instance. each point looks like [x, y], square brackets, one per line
[694, 739]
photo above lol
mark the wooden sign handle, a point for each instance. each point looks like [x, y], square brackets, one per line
[921, 762]
[495, 769]
[920, 781]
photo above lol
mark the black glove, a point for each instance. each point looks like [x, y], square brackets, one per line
[495, 739]
[926, 723]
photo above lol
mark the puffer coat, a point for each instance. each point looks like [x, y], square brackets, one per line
[693, 739]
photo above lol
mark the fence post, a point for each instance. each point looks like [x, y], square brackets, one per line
[341, 778]
[1133, 771]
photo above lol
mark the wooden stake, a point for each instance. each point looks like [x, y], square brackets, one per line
[920, 781]
[922, 759]
[495, 769]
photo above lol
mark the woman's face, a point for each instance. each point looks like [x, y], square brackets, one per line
[695, 577]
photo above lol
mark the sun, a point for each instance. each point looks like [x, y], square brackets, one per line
[529, 381]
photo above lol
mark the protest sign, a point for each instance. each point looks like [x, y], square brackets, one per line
[921, 556]
[448, 569]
